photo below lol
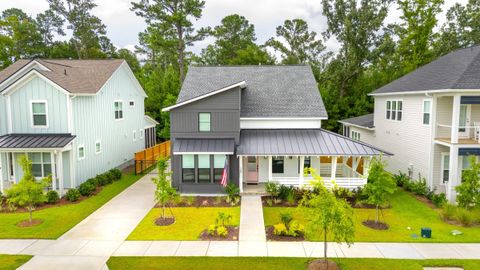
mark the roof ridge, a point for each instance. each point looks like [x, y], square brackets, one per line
[53, 63]
[468, 66]
[213, 66]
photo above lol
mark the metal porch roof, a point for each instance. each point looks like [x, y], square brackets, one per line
[32, 141]
[198, 146]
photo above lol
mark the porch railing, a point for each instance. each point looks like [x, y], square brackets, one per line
[345, 182]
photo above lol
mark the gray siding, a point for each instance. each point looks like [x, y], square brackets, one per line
[225, 117]
[3, 115]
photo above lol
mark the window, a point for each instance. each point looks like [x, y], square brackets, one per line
[346, 130]
[277, 165]
[394, 110]
[204, 124]
[355, 135]
[134, 135]
[81, 152]
[203, 168]
[131, 103]
[39, 113]
[445, 167]
[98, 147]
[118, 110]
[188, 168]
[41, 164]
[218, 165]
[306, 163]
[427, 107]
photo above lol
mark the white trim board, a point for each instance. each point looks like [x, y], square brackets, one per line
[280, 123]
[427, 92]
[203, 153]
[241, 84]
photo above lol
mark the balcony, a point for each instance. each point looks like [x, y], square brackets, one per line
[466, 134]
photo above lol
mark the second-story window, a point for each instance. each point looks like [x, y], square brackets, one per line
[394, 110]
[355, 135]
[427, 107]
[204, 124]
[39, 113]
[118, 105]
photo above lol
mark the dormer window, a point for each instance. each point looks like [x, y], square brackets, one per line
[39, 113]
[204, 124]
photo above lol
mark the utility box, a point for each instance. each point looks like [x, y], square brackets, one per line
[426, 232]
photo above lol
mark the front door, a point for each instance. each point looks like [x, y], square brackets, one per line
[464, 123]
[252, 170]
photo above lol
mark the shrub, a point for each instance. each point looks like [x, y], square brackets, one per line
[116, 173]
[358, 195]
[272, 189]
[468, 192]
[284, 191]
[269, 202]
[110, 176]
[420, 187]
[52, 197]
[72, 195]
[465, 217]
[102, 180]
[291, 197]
[286, 218]
[280, 229]
[439, 199]
[449, 211]
[295, 229]
[342, 193]
[93, 181]
[233, 193]
[223, 218]
[86, 189]
[212, 229]
[222, 231]
[401, 178]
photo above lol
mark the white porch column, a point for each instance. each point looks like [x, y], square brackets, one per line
[1, 173]
[355, 162]
[54, 170]
[60, 172]
[302, 169]
[270, 174]
[73, 174]
[333, 169]
[455, 118]
[240, 175]
[453, 177]
[366, 168]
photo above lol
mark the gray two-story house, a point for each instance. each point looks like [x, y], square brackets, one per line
[73, 118]
[263, 123]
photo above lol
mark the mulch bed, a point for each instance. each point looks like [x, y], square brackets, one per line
[26, 223]
[232, 235]
[273, 237]
[374, 225]
[322, 265]
[164, 221]
[201, 201]
[60, 202]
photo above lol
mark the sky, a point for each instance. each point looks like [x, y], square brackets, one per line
[123, 25]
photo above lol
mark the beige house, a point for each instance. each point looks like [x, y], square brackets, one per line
[429, 119]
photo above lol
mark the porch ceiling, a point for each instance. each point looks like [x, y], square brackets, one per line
[309, 142]
[34, 141]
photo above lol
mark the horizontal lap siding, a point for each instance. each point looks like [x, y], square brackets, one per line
[367, 136]
[409, 140]
[94, 120]
[444, 116]
[39, 89]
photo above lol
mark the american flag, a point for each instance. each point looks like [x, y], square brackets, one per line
[223, 182]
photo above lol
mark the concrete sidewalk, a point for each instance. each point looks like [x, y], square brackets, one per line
[81, 252]
[90, 243]
[252, 227]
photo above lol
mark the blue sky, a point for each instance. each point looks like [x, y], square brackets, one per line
[123, 26]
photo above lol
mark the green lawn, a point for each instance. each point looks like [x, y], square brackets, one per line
[189, 223]
[58, 220]
[259, 263]
[406, 212]
[10, 262]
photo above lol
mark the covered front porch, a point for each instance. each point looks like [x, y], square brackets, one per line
[50, 154]
[282, 155]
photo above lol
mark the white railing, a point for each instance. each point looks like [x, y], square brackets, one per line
[475, 129]
[345, 182]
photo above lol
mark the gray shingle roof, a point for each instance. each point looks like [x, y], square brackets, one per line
[203, 146]
[459, 69]
[272, 91]
[31, 141]
[363, 121]
[82, 76]
[314, 142]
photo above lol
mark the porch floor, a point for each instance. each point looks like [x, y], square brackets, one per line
[460, 140]
[252, 189]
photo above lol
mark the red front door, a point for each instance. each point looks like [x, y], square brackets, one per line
[252, 170]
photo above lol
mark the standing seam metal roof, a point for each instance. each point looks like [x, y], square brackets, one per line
[32, 141]
[315, 142]
[203, 146]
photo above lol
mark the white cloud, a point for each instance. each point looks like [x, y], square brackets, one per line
[123, 25]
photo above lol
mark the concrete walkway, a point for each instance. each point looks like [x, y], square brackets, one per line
[91, 254]
[252, 227]
[90, 243]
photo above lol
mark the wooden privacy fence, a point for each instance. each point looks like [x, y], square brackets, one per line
[149, 157]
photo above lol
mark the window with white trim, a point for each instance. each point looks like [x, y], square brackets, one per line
[81, 152]
[131, 103]
[394, 110]
[98, 147]
[141, 133]
[41, 164]
[445, 167]
[39, 113]
[134, 135]
[427, 109]
[204, 122]
[355, 135]
[118, 106]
